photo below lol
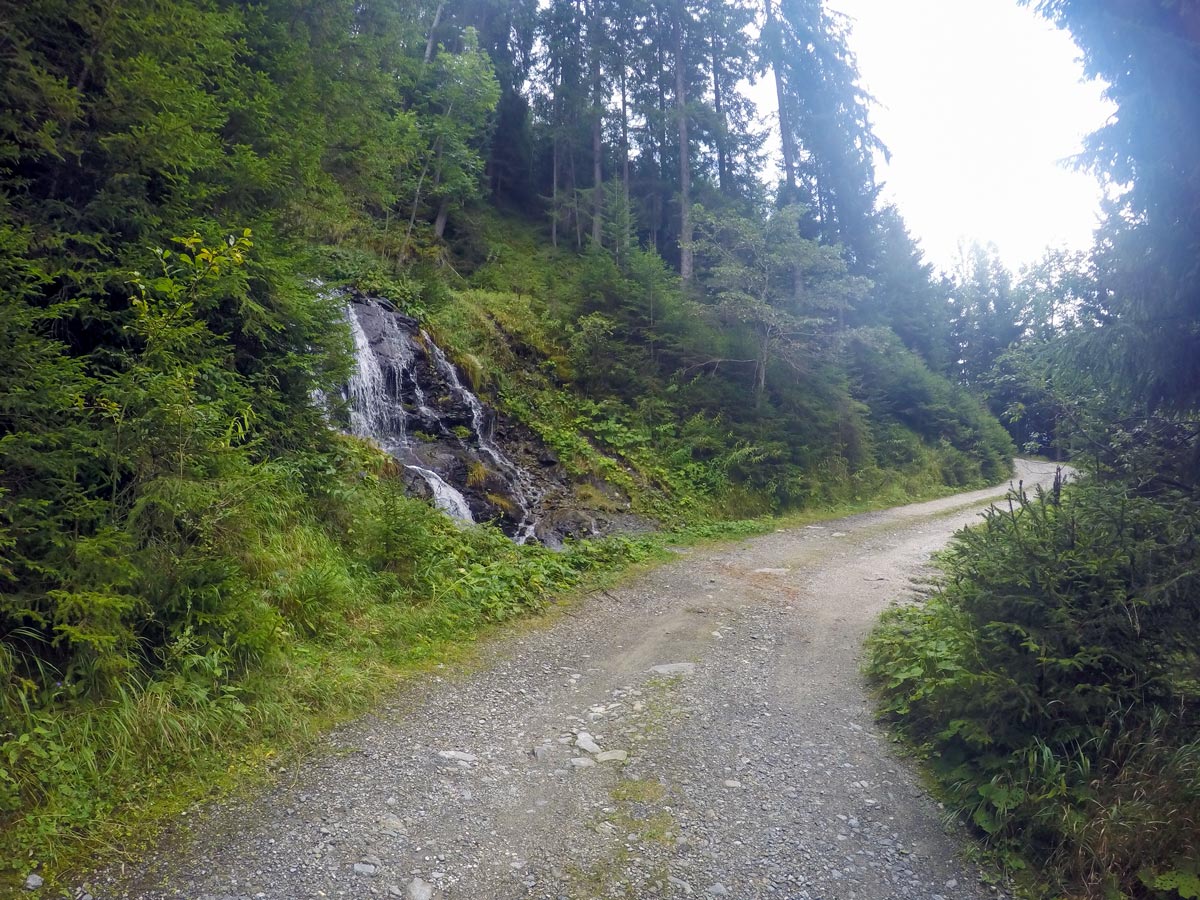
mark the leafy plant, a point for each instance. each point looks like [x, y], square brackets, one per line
[1053, 677]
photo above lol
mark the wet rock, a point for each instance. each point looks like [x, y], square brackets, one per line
[407, 397]
[559, 525]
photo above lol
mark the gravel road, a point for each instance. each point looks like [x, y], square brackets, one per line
[702, 731]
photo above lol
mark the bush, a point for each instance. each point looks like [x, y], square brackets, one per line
[292, 610]
[1053, 680]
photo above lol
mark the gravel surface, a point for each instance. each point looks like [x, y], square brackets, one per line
[701, 732]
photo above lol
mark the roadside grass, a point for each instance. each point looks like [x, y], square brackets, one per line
[108, 777]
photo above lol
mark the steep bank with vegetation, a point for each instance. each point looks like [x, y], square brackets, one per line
[1051, 681]
[192, 559]
[245, 599]
[629, 379]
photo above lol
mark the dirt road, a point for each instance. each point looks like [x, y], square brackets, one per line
[701, 732]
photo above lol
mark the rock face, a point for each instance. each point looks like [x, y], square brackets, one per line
[406, 396]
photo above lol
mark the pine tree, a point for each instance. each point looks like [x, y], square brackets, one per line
[1148, 56]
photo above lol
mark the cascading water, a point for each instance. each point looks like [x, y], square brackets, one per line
[444, 495]
[518, 479]
[374, 401]
[442, 440]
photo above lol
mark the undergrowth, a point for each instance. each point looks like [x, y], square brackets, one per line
[357, 588]
[1052, 682]
[200, 571]
[365, 586]
[600, 361]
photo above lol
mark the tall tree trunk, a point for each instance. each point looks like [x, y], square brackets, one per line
[412, 219]
[765, 343]
[575, 203]
[597, 125]
[722, 125]
[624, 135]
[685, 173]
[657, 215]
[787, 137]
[437, 19]
[597, 180]
[554, 195]
[661, 137]
[439, 223]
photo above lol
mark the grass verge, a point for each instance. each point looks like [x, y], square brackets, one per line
[105, 778]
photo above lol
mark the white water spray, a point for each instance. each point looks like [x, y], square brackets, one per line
[384, 395]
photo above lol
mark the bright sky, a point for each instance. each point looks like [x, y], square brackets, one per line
[981, 104]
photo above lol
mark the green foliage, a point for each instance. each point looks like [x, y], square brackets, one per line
[665, 379]
[1146, 300]
[1184, 881]
[785, 290]
[368, 274]
[1053, 678]
[898, 387]
[454, 103]
[191, 561]
[905, 296]
[332, 594]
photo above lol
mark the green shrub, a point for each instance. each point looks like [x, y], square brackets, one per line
[899, 388]
[292, 610]
[1053, 680]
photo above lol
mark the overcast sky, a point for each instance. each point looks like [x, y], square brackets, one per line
[981, 104]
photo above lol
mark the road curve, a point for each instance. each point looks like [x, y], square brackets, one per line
[746, 764]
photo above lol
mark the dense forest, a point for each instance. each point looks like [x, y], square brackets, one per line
[698, 315]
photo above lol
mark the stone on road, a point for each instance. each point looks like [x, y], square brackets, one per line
[751, 765]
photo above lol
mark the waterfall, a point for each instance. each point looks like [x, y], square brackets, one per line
[406, 396]
[445, 497]
[373, 391]
[518, 479]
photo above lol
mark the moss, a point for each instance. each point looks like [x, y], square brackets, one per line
[502, 503]
[638, 790]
